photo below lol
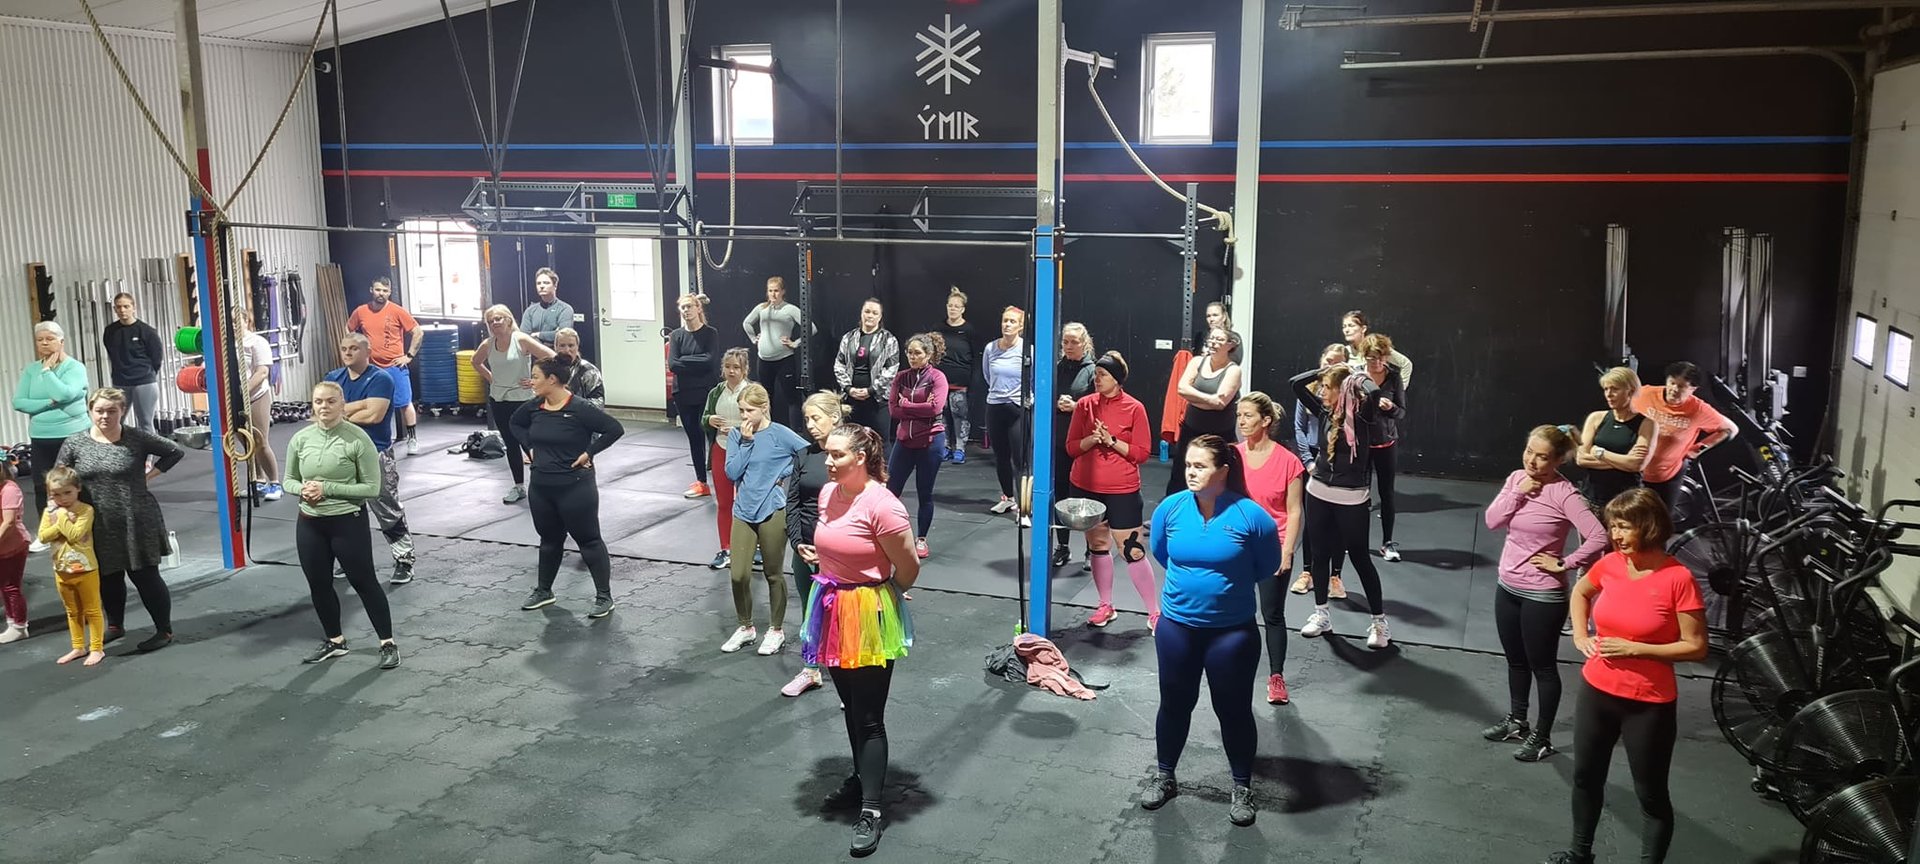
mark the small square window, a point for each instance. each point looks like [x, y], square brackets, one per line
[743, 101]
[1899, 356]
[1176, 89]
[1865, 330]
[440, 272]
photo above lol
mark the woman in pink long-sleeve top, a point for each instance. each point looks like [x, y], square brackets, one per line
[915, 400]
[1537, 507]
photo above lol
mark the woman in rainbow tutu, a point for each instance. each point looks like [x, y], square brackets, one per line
[856, 623]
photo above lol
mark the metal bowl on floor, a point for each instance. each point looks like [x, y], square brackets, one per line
[196, 437]
[1080, 514]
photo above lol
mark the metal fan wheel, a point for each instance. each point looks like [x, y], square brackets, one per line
[1778, 672]
[1715, 554]
[1835, 742]
[1749, 730]
[1869, 822]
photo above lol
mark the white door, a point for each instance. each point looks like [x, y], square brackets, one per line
[633, 356]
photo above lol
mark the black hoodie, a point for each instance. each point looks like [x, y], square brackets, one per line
[1341, 465]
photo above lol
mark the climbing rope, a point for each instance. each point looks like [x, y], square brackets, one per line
[1215, 215]
[733, 176]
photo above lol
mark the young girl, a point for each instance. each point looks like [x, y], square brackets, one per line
[68, 527]
[721, 415]
[13, 556]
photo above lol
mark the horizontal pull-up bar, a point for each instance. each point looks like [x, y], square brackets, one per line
[789, 238]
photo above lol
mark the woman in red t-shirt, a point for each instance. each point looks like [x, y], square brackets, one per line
[1277, 481]
[1108, 438]
[857, 623]
[1647, 616]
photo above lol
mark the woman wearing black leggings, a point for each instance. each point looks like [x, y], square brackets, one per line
[505, 361]
[1004, 361]
[693, 355]
[1378, 351]
[1647, 615]
[335, 469]
[562, 435]
[1347, 404]
[1537, 508]
[1215, 543]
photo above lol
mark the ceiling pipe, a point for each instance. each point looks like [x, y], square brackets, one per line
[1293, 16]
[1835, 54]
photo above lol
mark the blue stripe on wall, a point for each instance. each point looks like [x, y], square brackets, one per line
[1299, 144]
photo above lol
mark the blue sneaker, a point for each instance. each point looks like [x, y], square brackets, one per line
[273, 492]
[960, 455]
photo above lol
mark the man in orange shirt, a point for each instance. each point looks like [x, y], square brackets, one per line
[387, 327]
[1688, 428]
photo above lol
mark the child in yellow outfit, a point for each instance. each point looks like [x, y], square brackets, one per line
[68, 527]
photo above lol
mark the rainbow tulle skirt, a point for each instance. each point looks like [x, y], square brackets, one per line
[853, 625]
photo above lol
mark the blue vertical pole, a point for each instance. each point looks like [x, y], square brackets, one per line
[213, 336]
[1046, 331]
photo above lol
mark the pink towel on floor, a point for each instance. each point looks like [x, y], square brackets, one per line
[1047, 667]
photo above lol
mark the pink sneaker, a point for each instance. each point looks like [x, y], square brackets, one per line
[801, 683]
[1101, 616]
[1277, 690]
[920, 547]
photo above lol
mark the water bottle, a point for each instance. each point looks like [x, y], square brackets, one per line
[172, 559]
[1164, 455]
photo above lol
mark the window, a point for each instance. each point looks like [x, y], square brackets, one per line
[631, 289]
[744, 99]
[1863, 338]
[1899, 356]
[440, 269]
[1176, 89]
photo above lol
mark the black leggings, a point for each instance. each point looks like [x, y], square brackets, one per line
[1006, 431]
[1600, 720]
[1668, 489]
[154, 595]
[871, 412]
[1338, 528]
[502, 414]
[1530, 636]
[1230, 657]
[781, 378]
[322, 540]
[865, 692]
[1385, 465]
[46, 453]
[696, 432]
[1306, 539]
[565, 505]
[1062, 475]
[1273, 612]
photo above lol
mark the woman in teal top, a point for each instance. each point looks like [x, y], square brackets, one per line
[53, 392]
[335, 468]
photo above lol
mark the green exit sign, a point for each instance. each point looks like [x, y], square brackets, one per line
[623, 200]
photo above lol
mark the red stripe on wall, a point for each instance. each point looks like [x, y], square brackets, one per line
[789, 176]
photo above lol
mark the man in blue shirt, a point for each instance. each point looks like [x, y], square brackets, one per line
[369, 394]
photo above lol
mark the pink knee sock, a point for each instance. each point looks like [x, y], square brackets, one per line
[1143, 582]
[1102, 575]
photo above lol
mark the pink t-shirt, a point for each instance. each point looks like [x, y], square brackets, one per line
[848, 530]
[15, 540]
[1267, 485]
[1645, 610]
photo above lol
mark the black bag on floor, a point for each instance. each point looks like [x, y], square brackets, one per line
[482, 445]
[1006, 663]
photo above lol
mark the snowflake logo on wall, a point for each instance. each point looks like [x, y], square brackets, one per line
[952, 55]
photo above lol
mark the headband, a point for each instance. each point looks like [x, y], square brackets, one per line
[1114, 367]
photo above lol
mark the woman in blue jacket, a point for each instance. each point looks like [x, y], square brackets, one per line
[1216, 544]
[53, 392]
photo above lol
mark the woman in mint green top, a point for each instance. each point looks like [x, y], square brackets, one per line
[53, 392]
[335, 469]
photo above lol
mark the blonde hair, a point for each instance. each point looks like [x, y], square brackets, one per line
[1022, 313]
[1345, 353]
[564, 332]
[1620, 376]
[753, 394]
[954, 291]
[63, 477]
[1263, 404]
[329, 387]
[107, 394]
[829, 403]
[1555, 437]
[734, 357]
[1077, 327]
[497, 310]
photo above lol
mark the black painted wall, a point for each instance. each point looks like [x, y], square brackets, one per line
[1494, 288]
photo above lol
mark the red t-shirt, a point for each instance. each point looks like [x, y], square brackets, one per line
[1102, 469]
[386, 331]
[1267, 485]
[1681, 427]
[849, 530]
[1644, 610]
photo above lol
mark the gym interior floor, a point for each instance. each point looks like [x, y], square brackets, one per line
[517, 736]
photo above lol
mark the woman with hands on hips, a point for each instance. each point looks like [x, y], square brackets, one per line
[1647, 615]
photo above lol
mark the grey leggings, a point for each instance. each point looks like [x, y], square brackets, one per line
[771, 538]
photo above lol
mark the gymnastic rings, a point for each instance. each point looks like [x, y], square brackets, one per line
[248, 444]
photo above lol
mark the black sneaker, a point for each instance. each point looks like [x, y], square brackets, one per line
[1536, 748]
[1161, 788]
[154, 643]
[866, 834]
[1240, 809]
[1569, 858]
[844, 798]
[537, 598]
[1060, 556]
[328, 650]
[389, 655]
[1508, 729]
[402, 574]
[602, 607]
[114, 634]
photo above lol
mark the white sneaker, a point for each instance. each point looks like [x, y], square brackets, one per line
[1026, 522]
[771, 644]
[413, 446]
[1377, 634]
[1004, 505]
[741, 638]
[36, 546]
[1317, 623]
[13, 633]
[1390, 551]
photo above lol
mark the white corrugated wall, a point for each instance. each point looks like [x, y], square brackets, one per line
[87, 189]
